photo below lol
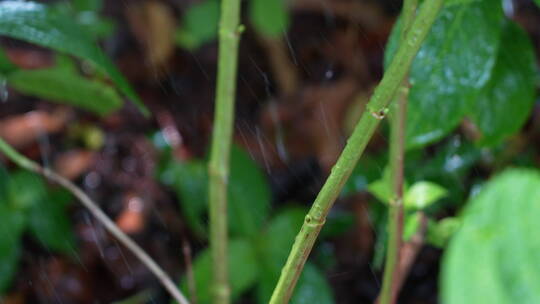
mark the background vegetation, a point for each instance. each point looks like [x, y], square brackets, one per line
[118, 97]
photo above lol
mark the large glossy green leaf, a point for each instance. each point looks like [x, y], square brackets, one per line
[506, 101]
[67, 87]
[249, 195]
[49, 222]
[12, 220]
[243, 265]
[453, 65]
[270, 18]
[448, 167]
[199, 24]
[37, 23]
[495, 256]
[537, 2]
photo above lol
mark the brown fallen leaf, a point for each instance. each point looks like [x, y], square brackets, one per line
[55, 280]
[313, 124]
[153, 24]
[28, 58]
[22, 130]
[74, 163]
[132, 219]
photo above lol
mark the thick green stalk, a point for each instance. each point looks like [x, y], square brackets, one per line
[218, 168]
[398, 118]
[376, 110]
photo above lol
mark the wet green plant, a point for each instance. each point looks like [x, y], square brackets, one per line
[28, 205]
[260, 238]
[451, 80]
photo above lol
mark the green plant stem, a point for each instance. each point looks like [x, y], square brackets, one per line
[218, 167]
[376, 109]
[109, 225]
[398, 118]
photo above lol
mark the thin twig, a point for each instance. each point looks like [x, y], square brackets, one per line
[389, 291]
[218, 167]
[109, 225]
[376, 110]
[409, 252]
[283, 70]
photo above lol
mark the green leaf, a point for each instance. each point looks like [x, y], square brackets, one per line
[249, 195]
[6, 66]
[438, 234]
[199, 25]
[243, 273]
[88, 5]
[411, 225]
[312, 287]
[367, 170]
[270, 18]
[4, 183]
[453, 65]
[274, 244]
[459, 2]
[191, 186]
[537, 2]
[49, 223]
[422, 194]
[382, 188]
[39, 24]
[26, 189]
[494, 257]
[67, 87]
[248, 192]
[337, 223]
[12, 221]
[506, 101]
[449, 166]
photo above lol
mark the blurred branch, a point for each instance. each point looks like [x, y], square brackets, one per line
[186, 249]
[283, 70]
[218, 167]
[109, 225]
[389, 291]
[376, 110]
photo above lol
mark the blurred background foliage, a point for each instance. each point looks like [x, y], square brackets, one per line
[307, 68]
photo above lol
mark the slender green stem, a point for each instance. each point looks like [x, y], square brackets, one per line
[398, 118]
[218, 168]
[376, 109]
[109, 225]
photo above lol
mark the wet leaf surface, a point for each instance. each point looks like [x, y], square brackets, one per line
[506, 100]
[243, 275]
[498, 230]
[449, 70]
[36, 23]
